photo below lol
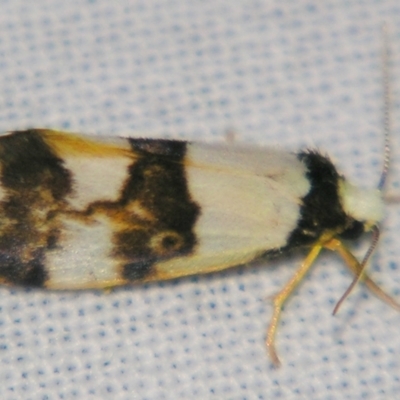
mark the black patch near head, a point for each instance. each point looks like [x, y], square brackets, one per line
[321, 208]
[34, 181]
[157, 182]
[353, 231]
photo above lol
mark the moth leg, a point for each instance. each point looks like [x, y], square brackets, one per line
[354, 265]
[280, 299]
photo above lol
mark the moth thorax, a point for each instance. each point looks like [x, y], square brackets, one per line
[364, 205]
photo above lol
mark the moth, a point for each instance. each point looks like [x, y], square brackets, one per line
[83, 212]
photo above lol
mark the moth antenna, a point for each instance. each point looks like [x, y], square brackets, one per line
[386, 158]
[386, 105]
[374, 242]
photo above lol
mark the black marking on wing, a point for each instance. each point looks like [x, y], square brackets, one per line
[35, 184]
[157, 180]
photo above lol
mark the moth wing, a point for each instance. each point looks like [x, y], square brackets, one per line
[82, 212]
[249, 203]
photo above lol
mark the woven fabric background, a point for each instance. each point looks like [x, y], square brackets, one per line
[287, 73]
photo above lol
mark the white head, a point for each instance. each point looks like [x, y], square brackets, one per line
[364, 205]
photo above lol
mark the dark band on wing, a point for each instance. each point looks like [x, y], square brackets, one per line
[35, 183]
[157, 184]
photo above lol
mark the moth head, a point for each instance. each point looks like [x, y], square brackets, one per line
[365, 206]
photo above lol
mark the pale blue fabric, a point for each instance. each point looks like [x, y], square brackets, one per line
[292, 73]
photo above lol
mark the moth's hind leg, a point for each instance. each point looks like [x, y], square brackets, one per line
[280, 299]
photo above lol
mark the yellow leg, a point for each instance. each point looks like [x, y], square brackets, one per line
[354, 266]
[280, 299]
[352, 263]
